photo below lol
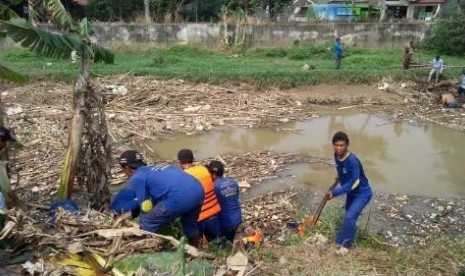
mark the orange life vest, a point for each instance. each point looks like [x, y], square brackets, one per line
[210, 206]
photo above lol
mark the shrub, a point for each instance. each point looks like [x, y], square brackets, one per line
[447, 35]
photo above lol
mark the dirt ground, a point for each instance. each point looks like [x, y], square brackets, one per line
[139, 109]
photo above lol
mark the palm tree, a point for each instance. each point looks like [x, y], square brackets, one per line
[74, 36]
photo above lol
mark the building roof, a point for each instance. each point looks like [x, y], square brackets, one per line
[426, 1]
[306, 3]
[301, 3]
[347, 1]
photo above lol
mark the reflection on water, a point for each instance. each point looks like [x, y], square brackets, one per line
[397, 157]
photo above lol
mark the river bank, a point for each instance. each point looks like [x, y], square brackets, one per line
[142, 111]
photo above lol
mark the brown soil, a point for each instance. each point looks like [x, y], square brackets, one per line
[339, 94]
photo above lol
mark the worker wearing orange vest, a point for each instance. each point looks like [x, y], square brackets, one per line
[208, 221]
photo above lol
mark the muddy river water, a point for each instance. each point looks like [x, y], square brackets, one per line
[398, 157]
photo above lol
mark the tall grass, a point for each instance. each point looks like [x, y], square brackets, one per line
[267, 67]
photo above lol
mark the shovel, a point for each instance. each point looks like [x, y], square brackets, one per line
[310, 219]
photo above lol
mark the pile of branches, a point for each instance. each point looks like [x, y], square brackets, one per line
[270, 213]
[65, 235]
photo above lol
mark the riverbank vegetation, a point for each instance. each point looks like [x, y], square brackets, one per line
[264, 67]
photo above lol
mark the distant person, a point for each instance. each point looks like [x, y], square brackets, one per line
[448, 100]
[338, 52]
[163, 193]
[461, 89]
[354, 183]
[209, 225]
[408, 54]
[437, 65]
[227, 192]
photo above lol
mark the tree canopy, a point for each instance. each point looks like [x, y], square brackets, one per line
[176, 10]
[447, 34]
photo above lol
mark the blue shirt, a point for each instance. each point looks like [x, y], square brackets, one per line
[437, 64]
[227, 193]
[2, 204]
[351, 176]
[337, 49]
[462, 81]
[179, 191]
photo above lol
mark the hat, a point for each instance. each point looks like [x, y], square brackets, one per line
[5, 134]
[216, 167]
[186, 155]
[125, 201]
[132, 159]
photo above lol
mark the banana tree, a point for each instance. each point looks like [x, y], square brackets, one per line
[74, 36]
[6, 73]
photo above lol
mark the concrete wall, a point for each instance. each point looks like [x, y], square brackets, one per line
[208, 35]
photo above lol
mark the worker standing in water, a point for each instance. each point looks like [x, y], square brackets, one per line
[354, 184]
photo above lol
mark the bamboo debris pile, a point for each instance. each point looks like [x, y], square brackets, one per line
[137, 109]
[81, 244]
[250, 168]
[152, 106]
[256, 166]
[101, 234]
[270, 212]
[70, 233]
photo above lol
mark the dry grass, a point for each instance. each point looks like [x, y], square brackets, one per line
[443, 257]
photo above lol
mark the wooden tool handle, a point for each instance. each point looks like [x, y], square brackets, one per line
[323, 203]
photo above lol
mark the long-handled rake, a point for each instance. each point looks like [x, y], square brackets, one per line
[312, 219]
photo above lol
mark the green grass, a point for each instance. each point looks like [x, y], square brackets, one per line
[331, 220]
[280, 67]
[163, 262]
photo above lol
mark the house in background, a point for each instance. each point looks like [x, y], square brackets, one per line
[413, 9]
[333, 10]
[300, 10]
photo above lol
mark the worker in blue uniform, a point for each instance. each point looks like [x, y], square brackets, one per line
[164, 192]
[227, 192]
[353, 183]
[125, 201]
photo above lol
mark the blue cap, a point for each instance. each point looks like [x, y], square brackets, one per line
[125, 201]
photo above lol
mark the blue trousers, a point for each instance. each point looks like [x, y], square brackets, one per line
[229, 233]
[210, 228]
[453, 104]
[354, 207]
[159, 217]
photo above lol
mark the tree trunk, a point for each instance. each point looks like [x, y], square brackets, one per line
[95, 157]
[147, 11]
[74, 141]
[382, 16]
